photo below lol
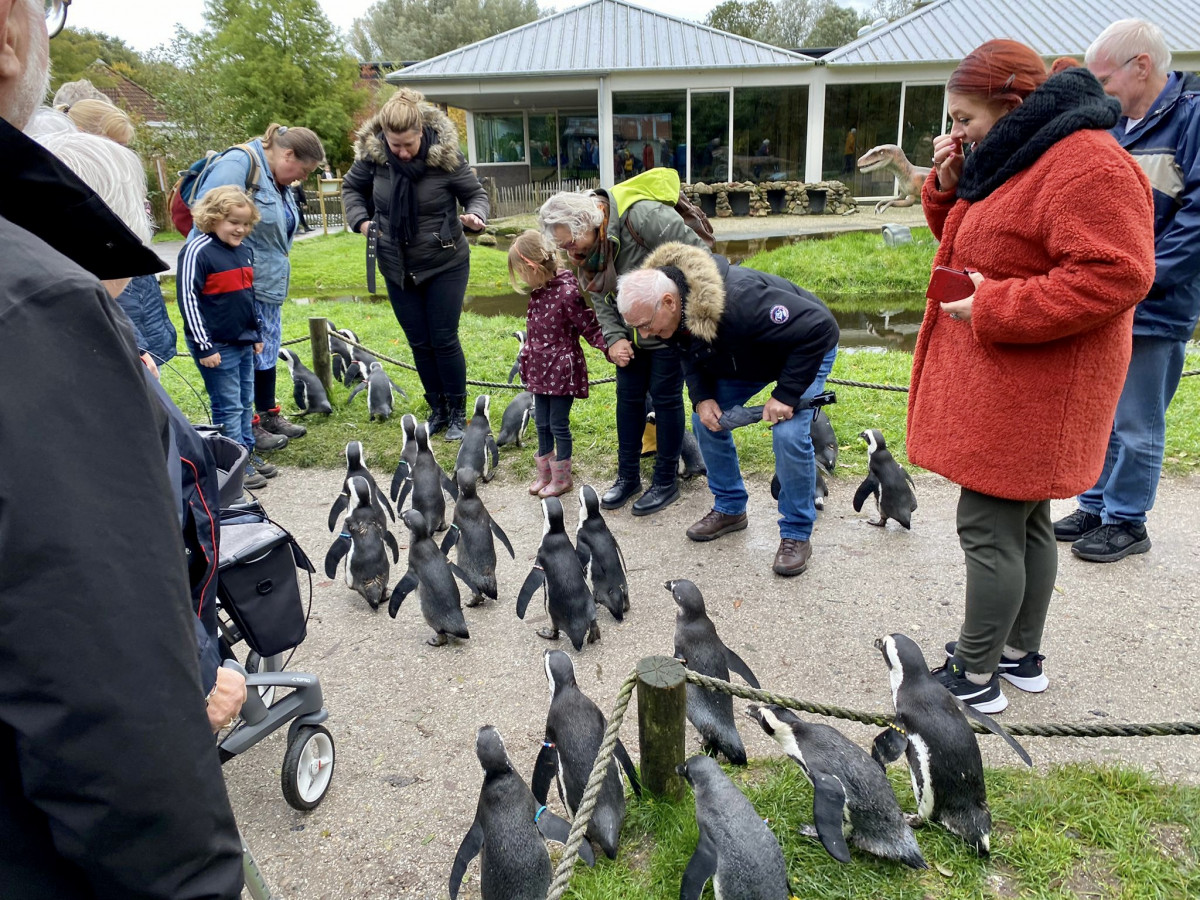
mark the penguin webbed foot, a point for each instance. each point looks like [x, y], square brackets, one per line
[808, 831]
[474, 600]
[881, 522]
[438, 639]
[593, 632]
[550, 634]
[913, 820]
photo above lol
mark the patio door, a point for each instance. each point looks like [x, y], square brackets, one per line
[710, 115]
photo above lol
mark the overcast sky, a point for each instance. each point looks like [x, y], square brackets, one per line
[144, 24]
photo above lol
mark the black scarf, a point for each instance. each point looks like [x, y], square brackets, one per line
[1070, 101]
[402, 224]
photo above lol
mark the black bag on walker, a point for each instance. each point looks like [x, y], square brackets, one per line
[258, 585]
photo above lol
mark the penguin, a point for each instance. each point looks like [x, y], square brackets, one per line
[691, 461]
[478, 449]
[356, 465]
[515, 420]
[516, 366]
[600, 555]
[820, 490]
[362, 541]
[472, 533]
[433, 575]
[931, 729]
[568, 600]
[699, 648]
[307, 390]
[427, 483]
[848, 787]
[408, 454]
[508, 831]
[360, 360]
[824, 441]
[574, 731]
[379, 392]
[736, 849]
[892, 486]
[339, 352]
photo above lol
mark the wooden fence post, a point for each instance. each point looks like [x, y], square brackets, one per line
[662, 710]
[318, 338]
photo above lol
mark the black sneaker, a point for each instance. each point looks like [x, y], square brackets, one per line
[1108, 543]
[987, 698]
[620, 493]
[1076, 525]
[1025, 673]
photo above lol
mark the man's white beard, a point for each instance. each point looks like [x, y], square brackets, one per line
[35, 81]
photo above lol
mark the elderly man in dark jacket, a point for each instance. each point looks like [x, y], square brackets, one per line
[109, 782]
[741, 330]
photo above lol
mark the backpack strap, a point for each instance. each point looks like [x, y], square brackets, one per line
[252, 175]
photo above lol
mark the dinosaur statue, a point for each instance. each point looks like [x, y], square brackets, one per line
[890, 158]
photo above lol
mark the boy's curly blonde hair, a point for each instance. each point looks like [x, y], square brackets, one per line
[217, 204]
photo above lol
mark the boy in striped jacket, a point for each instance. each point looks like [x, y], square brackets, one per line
[216, 296]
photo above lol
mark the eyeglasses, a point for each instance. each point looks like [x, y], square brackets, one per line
[649, 321]
[1104, 81]
[56, 16]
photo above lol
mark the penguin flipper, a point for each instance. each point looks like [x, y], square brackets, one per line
[512, 373]
[341, 546]
[450, 539]
[502, 537]
[737, 664]
[889, 745]
[869, 486]
[556, 828]
[449, 486]
[300, 395]
[398, 478]
[466, 578]
[405, 488]
[534, 580]
[493, 451]
[339, 507]
[355, 391]
[701, 867]
[776, 487]
[544, 770]
[829, 803]
[399, 390]
[471, 844]
[525, 416]
[584, 554]
[390, 540]
[402, 589]
[627, 764]
[996, 728]
[383, 501]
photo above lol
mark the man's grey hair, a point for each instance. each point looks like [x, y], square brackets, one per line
[1127, 38]
[577, 211]
[72, 92]
[644, 286]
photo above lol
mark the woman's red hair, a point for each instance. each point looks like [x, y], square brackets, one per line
[1000, 70]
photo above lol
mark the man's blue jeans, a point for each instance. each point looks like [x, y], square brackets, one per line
[230, 389]
[794, 461]
[1129, 480]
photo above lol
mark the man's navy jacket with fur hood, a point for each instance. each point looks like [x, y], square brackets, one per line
[744, 325]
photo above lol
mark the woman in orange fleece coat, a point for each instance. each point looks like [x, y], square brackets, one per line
[1014, 388]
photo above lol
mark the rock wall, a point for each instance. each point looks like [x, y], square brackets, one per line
[735, 198]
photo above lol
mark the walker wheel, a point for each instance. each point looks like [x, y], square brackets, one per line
[308, 767]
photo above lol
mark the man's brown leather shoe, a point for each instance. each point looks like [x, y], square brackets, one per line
[715, 524]
[792, 557]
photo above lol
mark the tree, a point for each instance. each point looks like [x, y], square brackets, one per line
[892, 9]
[745, 17]
[411, 30]
[792, 22]
[835, 26]
[75, 49]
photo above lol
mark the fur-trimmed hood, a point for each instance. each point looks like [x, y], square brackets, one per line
[443, 155]
[704, 303]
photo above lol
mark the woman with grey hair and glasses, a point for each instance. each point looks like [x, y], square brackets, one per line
[607, 233]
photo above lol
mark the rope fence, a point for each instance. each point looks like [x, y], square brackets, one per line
[583, 815]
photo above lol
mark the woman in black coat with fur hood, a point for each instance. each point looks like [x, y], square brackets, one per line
[410, 178]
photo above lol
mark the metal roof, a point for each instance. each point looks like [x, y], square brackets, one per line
[598, 37]
[947, 30]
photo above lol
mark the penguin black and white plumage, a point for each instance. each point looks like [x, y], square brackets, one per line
[471, 535]
[574, 731]
[478, 449]
[931, 729]
[339, 352]
[824, 441]
[307, 390]
[408, 454]
[356, 465]
[557, 570]
[691, 460]
[360, 360]
[736, 849]
[427, 483]
[433, 576]
[600, 555]
[699, 648]
[848, 787]
[516, 366]
[516, 418]
[820, 490]
[379, 389]
[364, 541]
[508, 831]
[892, 486]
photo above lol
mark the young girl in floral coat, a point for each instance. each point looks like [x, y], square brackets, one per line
[551, 361]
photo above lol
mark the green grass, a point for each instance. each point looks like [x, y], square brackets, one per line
[1077, 831]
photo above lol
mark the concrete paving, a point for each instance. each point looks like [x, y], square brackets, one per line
[1121, 646]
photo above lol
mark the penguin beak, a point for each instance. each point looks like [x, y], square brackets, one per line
[681, 771]
[670, 586]
[878, 643]
[752, 712]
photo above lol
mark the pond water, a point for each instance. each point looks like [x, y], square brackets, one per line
[734, 249]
